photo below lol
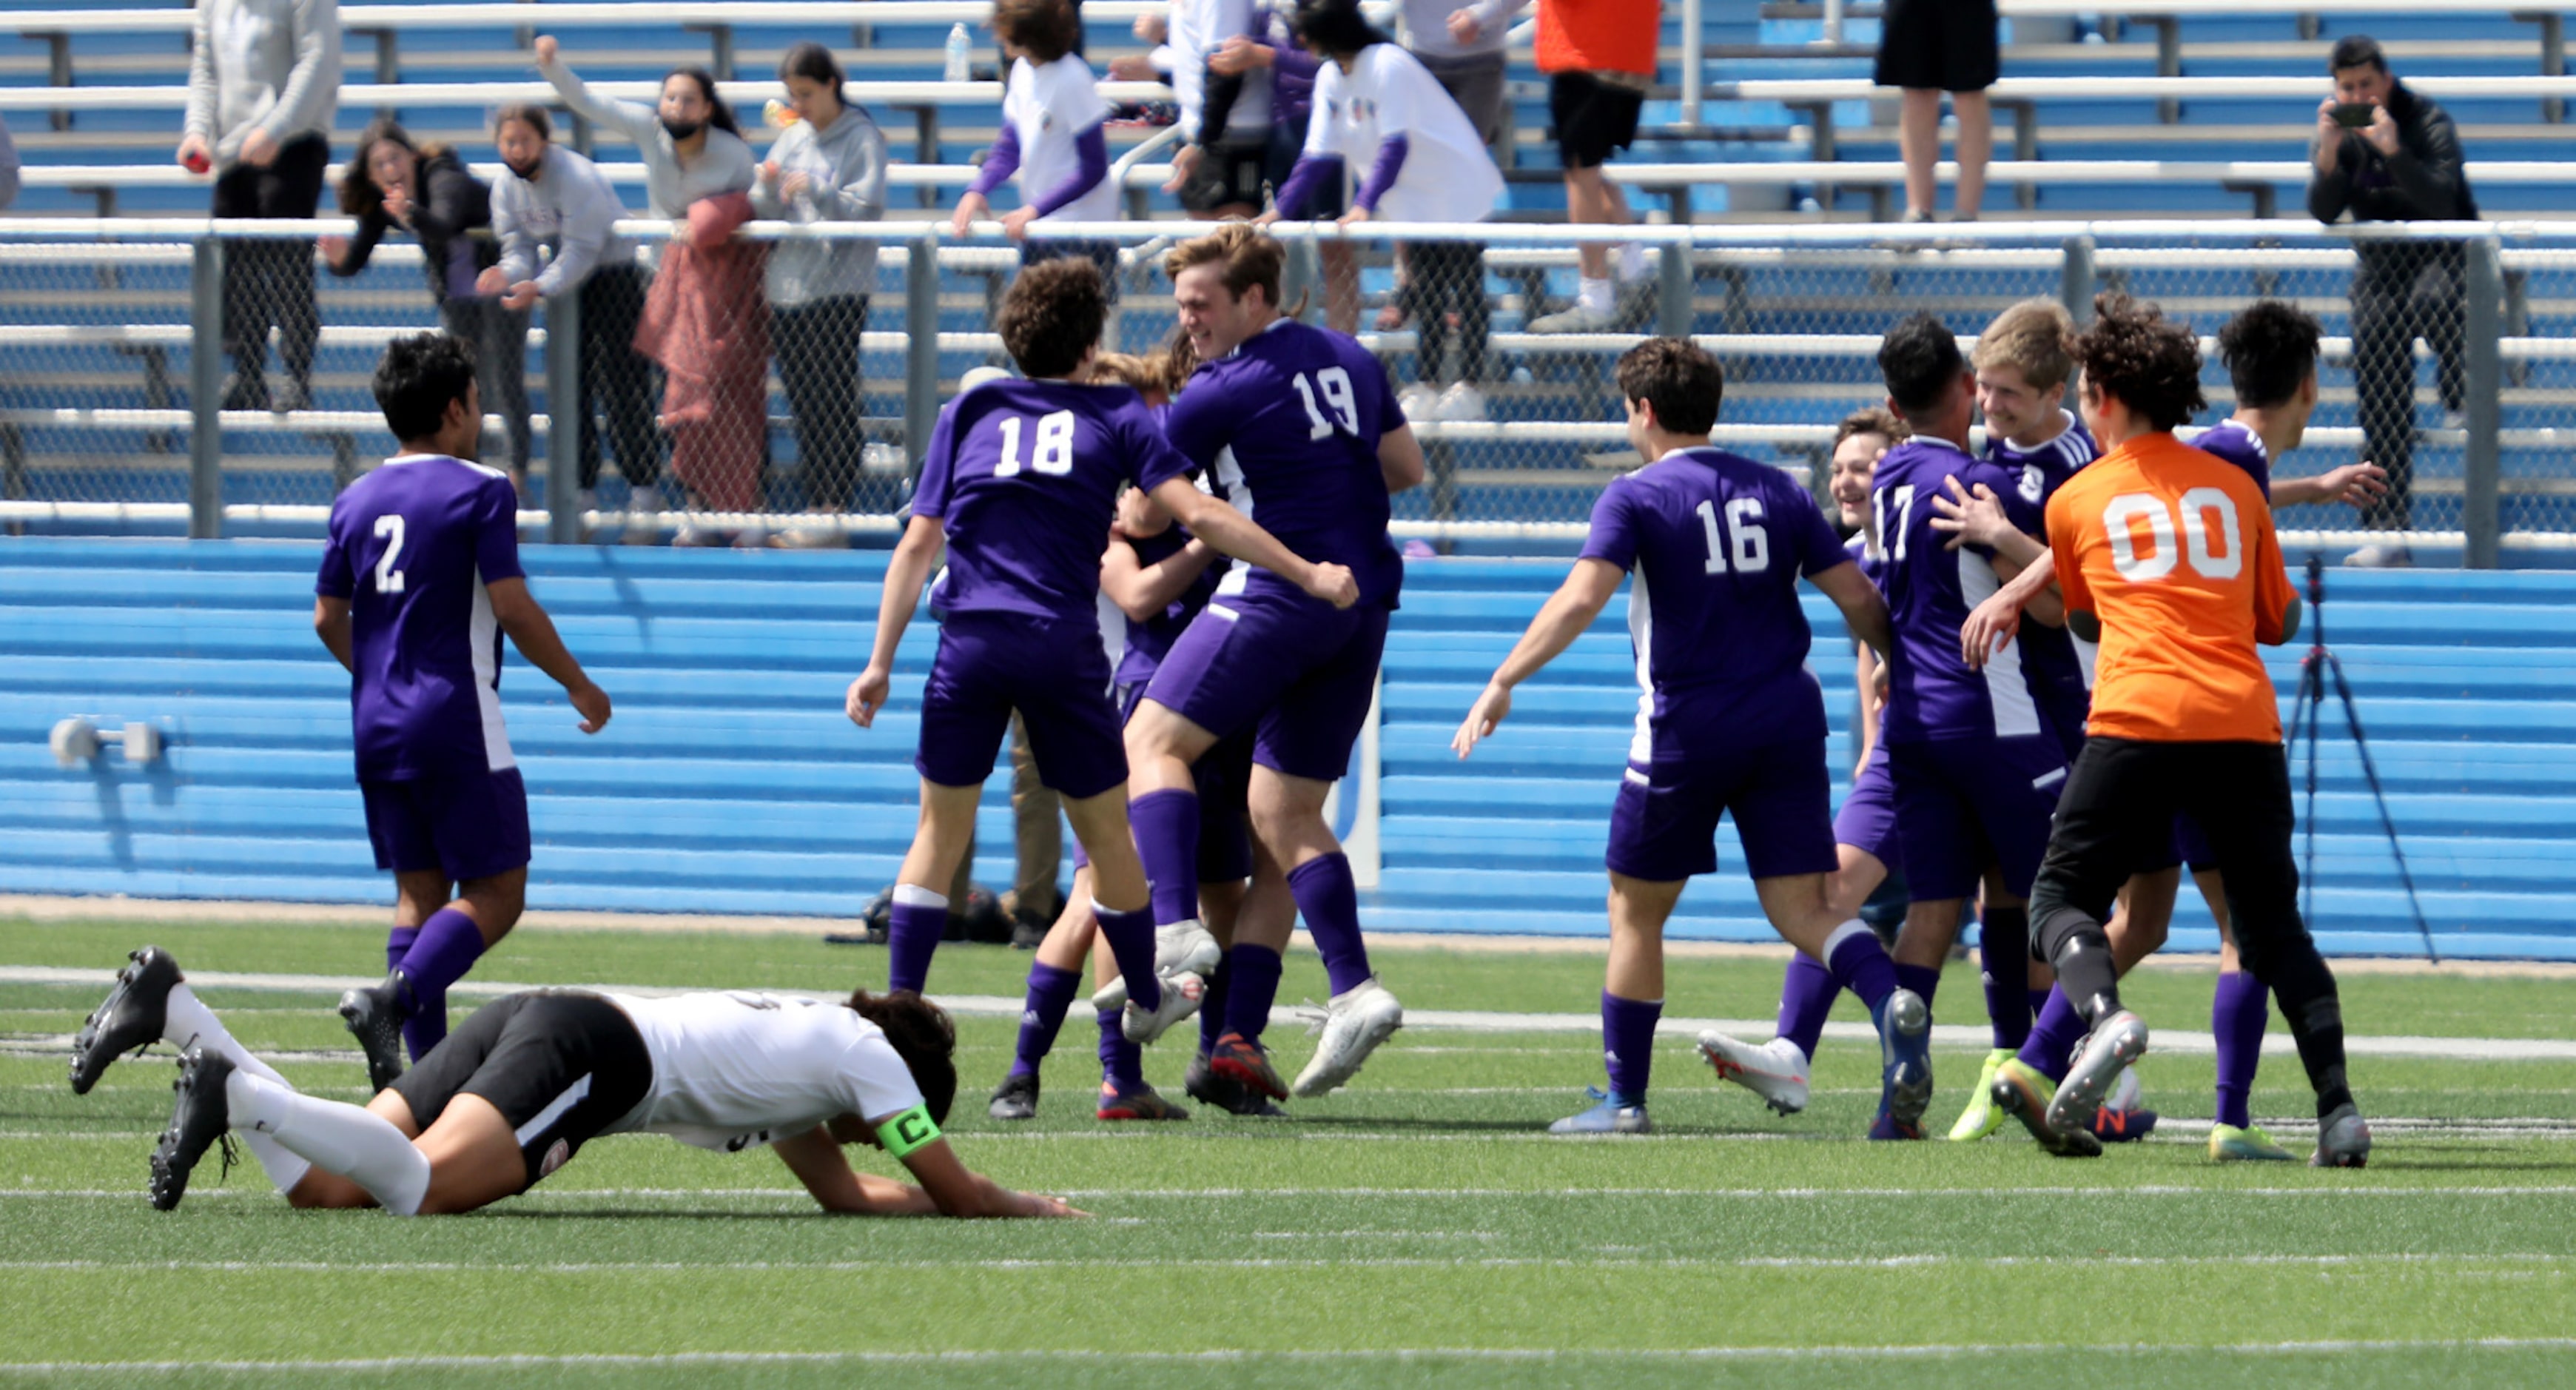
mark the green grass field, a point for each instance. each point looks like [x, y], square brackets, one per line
[1415, 1229]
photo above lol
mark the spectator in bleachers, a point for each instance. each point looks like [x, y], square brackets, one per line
[263, 82]
[1224, 117]
[706, 320]
[1928, 47]
[1052, 137]
[1292, 101]
[829, 166]
[1599, 57]
[1462, 46]
[1377, 107]
[554, 201]
[2403, 164]
[390, 183]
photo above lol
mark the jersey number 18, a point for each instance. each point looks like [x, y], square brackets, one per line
[1055, 445]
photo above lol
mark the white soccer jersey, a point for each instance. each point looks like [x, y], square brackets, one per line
[1199, 29]
[1047, 106]
[1447, 175]
[736, 1070]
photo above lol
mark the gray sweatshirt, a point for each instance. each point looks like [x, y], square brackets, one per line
[569, 207]
[846, 169]
[724, 166]
[270, 65]
[1426, 26]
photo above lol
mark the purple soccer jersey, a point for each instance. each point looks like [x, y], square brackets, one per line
[1147, 641]
[1932, 693]
[412, 547]
[1287, 426]
[1717, 544]
[2061, 665]
[1023, 477]
[2232, 441]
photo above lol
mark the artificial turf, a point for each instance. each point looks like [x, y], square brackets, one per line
[1415, 1229]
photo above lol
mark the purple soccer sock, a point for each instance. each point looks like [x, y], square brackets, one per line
[2053, 1039]
[1051, 991]
[1860, 964]
[1253, 989]
[1166, 826]
[448, 945]
[2008, 1005]
[1330, 903]
[1122, 1063]
[1628, 1043]
[1212, 1005]
[913, 925]
[398, 945]
[1131, 939]
[2237, 1016]
[2038, 1000]
[1922, 979]
[1807, 992]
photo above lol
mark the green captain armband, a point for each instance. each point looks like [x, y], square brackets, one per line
[911, 1130]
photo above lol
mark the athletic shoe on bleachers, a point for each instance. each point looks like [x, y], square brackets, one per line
[245, 391]
[1461, 402]
[1420, 401]
[1577, 319]
[1776, 1071]
[1613, 1114]
[129, 1019]
[198, 1118]
[1354, 1023]
[295, 395]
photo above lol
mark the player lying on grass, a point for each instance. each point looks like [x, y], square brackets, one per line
[419, 581]
[514, 1093]
[1019, 484]
[2270, 350]
[1731, 721]
[2168, 553]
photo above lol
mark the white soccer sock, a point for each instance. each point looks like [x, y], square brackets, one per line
[355, 1143]
[186, 1022]
[1632, 261]
[1595, 295]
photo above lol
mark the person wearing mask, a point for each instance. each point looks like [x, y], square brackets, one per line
[391, 183]
[705, 319]
[828, 166]
[2397, 160]
[553, 208]
[263, 81]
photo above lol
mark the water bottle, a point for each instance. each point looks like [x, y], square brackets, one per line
[960, 48]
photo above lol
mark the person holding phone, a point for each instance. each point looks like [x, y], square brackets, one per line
[2384, 154]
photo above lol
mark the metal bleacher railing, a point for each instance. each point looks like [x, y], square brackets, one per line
[110, 359]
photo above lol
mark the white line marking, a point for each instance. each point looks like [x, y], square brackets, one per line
[406, 1267]
[1960, 1036]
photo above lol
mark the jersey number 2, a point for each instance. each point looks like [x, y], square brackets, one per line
[1747, 548]
[389, 580]
[2223, 562]
[1055, 445]
[1338, 398]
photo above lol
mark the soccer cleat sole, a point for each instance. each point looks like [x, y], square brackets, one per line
[1253, 1072]
[1905, 1076]
[376, 1022]
[199, 1118]
[2120, 1040]
[1182, 995]
[2014, 1097]
[132, 1017]
[1334, 1064]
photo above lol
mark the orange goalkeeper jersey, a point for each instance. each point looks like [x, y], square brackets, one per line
[2173, 549]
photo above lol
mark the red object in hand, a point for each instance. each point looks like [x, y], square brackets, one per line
[198, 163]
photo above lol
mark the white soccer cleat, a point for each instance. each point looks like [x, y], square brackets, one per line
[1185, 948]
[1776, 1071]
[2107, 1051]
[1182, 995]
[1355, 1022]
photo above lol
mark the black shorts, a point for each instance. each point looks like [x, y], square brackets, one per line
[1229, 173]
[560, 1065]
[1287, 142]
[1594, 119]
[1938, 45]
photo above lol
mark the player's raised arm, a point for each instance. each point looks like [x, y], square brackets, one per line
[1567, 612]
[914, 558]
[1233, 533]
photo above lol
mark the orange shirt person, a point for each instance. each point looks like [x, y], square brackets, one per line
[2167, 557]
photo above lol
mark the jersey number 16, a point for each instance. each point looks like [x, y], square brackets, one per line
[1747, 547]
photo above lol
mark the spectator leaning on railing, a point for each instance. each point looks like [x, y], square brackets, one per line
[705, 318]
[1052, 137]
[554, 200]
[2384, 154]
[829, 165]
[1292, 104]
[390, 183]
[1225, 119]
[263, 81]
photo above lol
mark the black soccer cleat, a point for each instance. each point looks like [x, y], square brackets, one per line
[375, 1017]
[1204, 1085]
[128, 1020]
[200, 1116]
[1015, 1099]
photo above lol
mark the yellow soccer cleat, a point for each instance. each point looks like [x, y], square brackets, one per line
[1981, 1118]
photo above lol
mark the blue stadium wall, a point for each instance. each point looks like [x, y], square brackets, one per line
[730, 781]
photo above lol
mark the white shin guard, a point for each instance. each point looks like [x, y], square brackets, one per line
[355, 1143]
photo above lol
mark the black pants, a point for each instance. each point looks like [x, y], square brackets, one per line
[499, 338]
[615, 378]
[268, 281]
[2402, 292]
[819, 364]
[1447, 276]
[2119, 803]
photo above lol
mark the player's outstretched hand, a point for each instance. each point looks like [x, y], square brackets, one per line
[1970, 518]
[1994, 623]
[1490, 710]
[2356, 484]
[591, 703]
[867, 696]
[1051, 1206]
[1334, 585]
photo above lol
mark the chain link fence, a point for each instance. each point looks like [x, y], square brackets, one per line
[720, 403]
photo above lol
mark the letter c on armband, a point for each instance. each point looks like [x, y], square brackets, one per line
[911, 1130]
